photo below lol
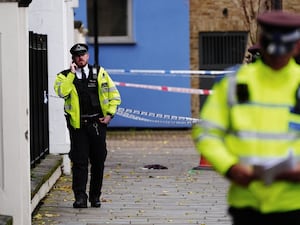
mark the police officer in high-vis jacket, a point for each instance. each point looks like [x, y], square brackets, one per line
[253, 118]
[91, 100]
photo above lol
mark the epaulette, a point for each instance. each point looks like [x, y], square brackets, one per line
[65, 72]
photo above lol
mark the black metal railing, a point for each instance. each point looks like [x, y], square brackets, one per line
[38, 102]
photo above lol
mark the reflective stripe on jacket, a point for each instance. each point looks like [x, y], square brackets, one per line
[109, 95]
[263, 126]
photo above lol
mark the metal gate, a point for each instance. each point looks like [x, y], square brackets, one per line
[38, 97]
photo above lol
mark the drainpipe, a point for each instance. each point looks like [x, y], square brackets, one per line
[96, 44]
[277, 4]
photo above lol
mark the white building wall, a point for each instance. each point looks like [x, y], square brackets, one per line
[14, 146]
[56, 19]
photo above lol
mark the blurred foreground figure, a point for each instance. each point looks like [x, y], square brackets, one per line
[250, 128]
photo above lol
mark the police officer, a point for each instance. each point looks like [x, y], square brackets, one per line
[254, 51]
[91, 100]
[254, 116]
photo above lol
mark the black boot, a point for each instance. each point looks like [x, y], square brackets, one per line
[95, 200]
[80, 201]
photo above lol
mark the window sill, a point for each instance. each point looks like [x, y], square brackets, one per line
[112, 40]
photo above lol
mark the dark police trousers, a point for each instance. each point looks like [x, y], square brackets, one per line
[248, 216]
[88, 144]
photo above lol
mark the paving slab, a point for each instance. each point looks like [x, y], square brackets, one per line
[133, 194]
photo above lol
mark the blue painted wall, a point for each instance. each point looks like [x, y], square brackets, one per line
[161, 34]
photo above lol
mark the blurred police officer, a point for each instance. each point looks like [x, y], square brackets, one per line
[255, 115]
[91, 100]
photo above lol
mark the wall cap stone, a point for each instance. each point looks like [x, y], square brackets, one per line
[22, 3]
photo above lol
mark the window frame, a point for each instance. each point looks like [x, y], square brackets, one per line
[127, 39]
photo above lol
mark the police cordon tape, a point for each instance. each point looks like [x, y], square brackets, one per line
[166, 88]
[159, 118]
[174, 72]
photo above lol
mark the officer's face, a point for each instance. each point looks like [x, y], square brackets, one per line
[81, 60]
[277, 62]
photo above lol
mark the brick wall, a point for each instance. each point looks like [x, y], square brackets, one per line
[291, 5]
[224, 15]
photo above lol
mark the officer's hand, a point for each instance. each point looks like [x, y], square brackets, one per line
[241, 174]
[290, 175]
[73, 67]
[106, 119]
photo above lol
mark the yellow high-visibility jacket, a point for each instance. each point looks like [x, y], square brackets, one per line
[260, 123]
[109, 95]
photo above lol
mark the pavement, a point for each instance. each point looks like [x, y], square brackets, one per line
[149, 179]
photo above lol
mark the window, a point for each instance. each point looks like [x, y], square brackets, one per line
[220, 50]
[114, 21]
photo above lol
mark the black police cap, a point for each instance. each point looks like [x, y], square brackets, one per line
[79, 49]
[280, 31]
[279, 20]
[254, 48]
